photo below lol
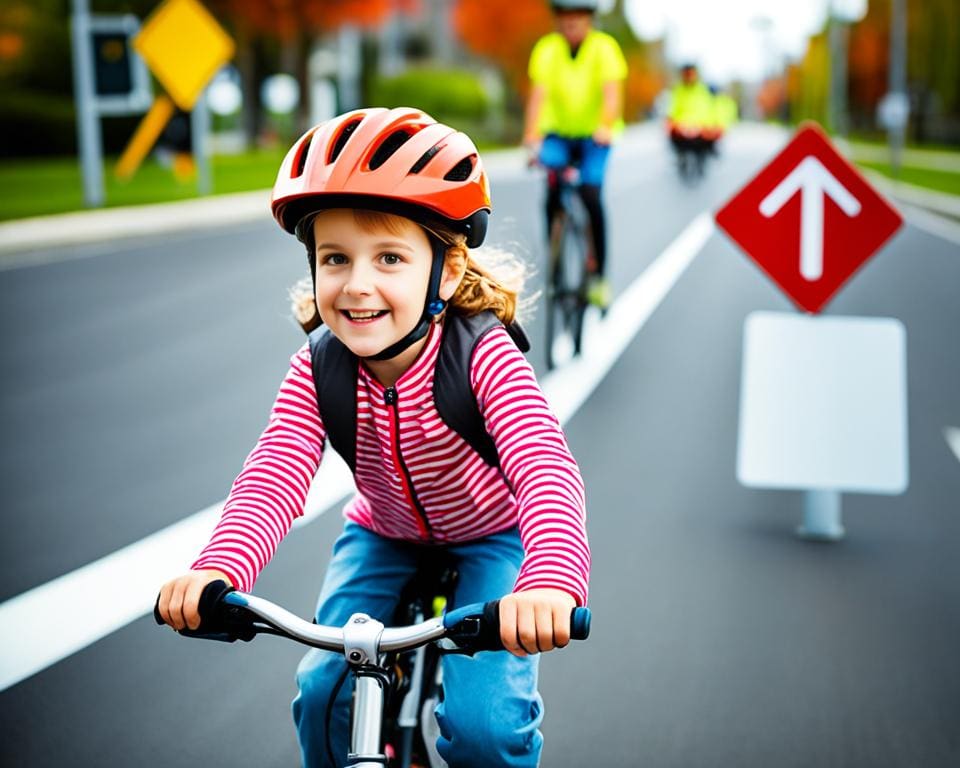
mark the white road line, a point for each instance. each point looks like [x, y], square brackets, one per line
[952, 434]
[50, 622]
[55, 620]
[568, 387]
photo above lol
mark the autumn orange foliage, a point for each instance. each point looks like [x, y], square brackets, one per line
[289, 18]
[503, 31]
[645, 80]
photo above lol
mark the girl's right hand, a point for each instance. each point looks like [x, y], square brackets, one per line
[180, 597]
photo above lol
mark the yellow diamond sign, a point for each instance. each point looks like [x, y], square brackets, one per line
[184, 46]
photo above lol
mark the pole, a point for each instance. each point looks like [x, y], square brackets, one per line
[89, 141]
[348, 53]
[821, 516]
[199, 133]
[898, 80]
[839, 38]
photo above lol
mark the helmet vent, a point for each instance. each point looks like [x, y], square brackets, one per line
[345, 133]
[301, 160]
[461, 171]
[391, 144]
[424, 159]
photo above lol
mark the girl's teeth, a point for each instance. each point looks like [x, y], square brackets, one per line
[363, 315]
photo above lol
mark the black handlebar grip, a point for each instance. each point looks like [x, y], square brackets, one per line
[484, 635]
[211, 616]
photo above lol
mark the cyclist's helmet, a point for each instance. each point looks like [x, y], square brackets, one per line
[399, 161]
[395, 160]
[574, 5]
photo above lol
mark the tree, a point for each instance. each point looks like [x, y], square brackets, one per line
[292, 26]
[503, 31]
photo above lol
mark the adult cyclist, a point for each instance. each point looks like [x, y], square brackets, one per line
[574, 111]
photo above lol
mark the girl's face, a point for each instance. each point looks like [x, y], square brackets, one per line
[372, 283]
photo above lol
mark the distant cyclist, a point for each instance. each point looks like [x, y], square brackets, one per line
[723, 114]
[390, 205]
[573, 113]
[690, 120]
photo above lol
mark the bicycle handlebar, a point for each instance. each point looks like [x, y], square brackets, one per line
[227, 615]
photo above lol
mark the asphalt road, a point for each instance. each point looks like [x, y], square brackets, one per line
[136, 377]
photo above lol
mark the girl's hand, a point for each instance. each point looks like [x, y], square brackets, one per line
[535, 621]
[180, 597]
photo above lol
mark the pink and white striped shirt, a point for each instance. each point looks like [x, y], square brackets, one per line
[416, 478]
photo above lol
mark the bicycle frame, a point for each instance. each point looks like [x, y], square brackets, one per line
[570, 244]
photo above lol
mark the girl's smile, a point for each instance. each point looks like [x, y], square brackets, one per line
[363, 316]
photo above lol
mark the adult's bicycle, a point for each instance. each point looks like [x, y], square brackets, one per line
[570, 261]
[372, 652]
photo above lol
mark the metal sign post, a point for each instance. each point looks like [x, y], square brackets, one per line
[109, 79]
[200, 131]
[89, 141]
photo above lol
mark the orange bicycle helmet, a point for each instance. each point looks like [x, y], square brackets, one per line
[396, 160]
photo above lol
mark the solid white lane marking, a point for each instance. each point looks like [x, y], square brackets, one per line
[48, 623]
[55, 620]
[567, 388]
[952, 434]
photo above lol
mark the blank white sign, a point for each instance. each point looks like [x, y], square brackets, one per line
[823, 403]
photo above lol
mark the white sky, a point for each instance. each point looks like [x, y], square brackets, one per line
[735, 39]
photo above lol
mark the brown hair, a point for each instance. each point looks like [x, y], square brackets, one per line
[492, 279]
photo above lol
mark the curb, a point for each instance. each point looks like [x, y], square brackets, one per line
[63, 229]
[936, 202]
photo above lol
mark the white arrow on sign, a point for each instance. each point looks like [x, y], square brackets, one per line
[813, 181]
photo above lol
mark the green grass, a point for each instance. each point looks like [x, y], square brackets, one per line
[940, 181]
[44, 186]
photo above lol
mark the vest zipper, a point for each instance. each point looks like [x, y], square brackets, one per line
[390, 398]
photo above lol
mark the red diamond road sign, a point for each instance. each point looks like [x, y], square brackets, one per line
[809, 219]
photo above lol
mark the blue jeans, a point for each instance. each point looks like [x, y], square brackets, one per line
[491, 711]
[557, 152]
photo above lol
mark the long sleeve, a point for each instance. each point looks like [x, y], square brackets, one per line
[270, 491]
[538, 465]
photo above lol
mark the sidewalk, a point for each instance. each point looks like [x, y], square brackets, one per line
[935, 202]
[930, 159]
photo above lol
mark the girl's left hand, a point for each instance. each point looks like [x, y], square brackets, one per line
[535, 621]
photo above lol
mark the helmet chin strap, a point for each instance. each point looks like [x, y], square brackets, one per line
[434, 305]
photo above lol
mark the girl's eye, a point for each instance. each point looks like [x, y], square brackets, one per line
[334, 259]
[391, 259]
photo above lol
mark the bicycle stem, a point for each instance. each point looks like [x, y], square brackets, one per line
[367, 717]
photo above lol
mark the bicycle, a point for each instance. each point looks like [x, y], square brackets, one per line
[395, 669]
[571, 246]
[692, 147]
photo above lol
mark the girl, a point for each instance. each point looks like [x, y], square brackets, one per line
[387, 203]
